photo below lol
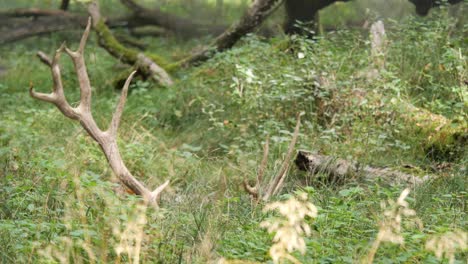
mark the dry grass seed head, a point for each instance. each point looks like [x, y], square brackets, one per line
[290, 228]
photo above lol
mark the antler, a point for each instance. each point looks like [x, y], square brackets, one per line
[255, 190]
[276, 183]
[107, 140]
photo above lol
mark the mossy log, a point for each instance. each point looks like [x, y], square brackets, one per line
[340, 170]
[146, 65]
[444, 138]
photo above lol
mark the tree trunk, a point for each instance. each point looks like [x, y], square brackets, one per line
[302, 15]
[64, 5]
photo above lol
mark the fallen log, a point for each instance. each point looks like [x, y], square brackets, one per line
[147, 66]
[340, 170]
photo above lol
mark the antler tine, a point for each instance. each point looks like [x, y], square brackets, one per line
[266, 150]
[277, 182]
[114, 126]
[84, 39]
[255, 190]
[57, 96]
[85, 36]
[44, 58]
[252, 190]
[155, 195]
[80, 68]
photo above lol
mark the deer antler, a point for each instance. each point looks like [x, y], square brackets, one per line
[107, 140]
[255, 190]
[276, 183]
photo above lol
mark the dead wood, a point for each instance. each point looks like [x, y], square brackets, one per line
[252, 19]
[340, 170]
[146, 66]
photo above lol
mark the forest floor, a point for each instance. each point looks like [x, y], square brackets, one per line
[206, 134]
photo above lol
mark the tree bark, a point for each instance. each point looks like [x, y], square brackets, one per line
[338, 170]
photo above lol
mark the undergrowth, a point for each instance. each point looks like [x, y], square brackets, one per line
[205, 134]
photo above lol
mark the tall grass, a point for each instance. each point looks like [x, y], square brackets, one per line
[57, 199]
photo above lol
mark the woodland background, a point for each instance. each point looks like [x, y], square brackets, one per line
[360, 136]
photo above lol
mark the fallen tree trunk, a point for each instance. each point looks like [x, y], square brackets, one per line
[339, 170]
[254, 17]
[147, 66]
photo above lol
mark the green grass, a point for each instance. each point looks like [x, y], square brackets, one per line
[205, 134]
